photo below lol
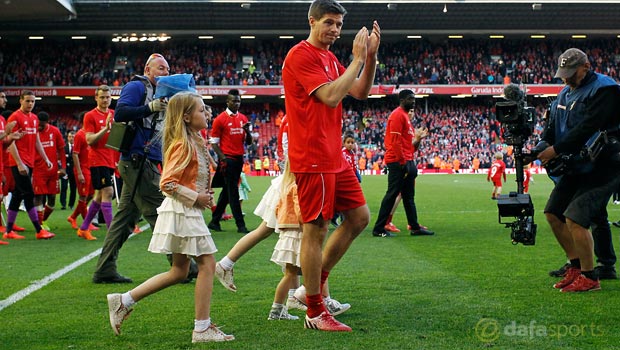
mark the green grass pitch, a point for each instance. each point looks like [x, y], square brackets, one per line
[467, 287]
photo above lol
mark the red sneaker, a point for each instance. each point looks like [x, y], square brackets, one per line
[73, 223]
[226, 217]
[12, 235]
[137, 230]
[582, 284]
[92, 227]
[326, 322]
[571, 275]
[44, 234]
[18, 228]
[391, 228]
[4, 242]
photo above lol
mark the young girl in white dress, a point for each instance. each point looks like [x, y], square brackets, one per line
[180, 228]
[286, 251]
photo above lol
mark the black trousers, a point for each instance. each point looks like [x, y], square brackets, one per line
[401, 179]
[603, 245]
[230, 192]
[68, 185]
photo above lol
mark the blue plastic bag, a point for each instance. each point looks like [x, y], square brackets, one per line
[169, 85]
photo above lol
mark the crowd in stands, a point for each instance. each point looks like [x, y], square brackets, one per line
[459, 130]
[94, 62]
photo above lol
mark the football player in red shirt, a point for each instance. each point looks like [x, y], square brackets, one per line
[81, 171]
[229, 133]
[46, 181]
[314, 85]
[21, 162]
[101, 160]
[498, 169]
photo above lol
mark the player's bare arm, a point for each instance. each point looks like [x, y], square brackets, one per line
[332, 93]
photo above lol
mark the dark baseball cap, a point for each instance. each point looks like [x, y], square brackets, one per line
[569, 61]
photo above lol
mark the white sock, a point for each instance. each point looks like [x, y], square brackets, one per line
[326, 299]
[291, 293]
[277, 306]
[127, 300]
[226, 263]
[202, 325]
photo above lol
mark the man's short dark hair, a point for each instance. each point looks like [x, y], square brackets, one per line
[233, 92]
[26, 93]
[320, 8]
[43, 117]
[404, 94]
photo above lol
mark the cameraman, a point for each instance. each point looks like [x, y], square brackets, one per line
[601, 231]
[587, 104]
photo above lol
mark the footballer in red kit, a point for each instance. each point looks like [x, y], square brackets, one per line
[229, 135]
[497, 171]
[46, 181]
[22, 161]
[314, 85]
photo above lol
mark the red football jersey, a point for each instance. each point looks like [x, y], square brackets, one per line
[315, 128]
[81, 148]
[498, 168]
[398, 137]
[227, 131]
[99, 154]
[54, 147]
[26, 146]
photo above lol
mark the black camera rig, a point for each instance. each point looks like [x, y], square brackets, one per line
[517, 122]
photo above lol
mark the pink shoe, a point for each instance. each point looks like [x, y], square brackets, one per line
[326, 322]
[73, 223]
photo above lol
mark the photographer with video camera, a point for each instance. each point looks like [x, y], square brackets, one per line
[601, 230]
[586, 114]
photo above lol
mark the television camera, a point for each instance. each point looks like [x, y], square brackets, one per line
[517, 121]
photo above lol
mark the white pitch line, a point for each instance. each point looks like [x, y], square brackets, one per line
[36, 285]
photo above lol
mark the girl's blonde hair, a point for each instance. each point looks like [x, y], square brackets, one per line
[176, 129]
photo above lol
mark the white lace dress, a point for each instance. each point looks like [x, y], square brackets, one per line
[181, 229]
[266, 208]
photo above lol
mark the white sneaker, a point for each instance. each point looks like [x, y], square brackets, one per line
[281, 314]
[211, 334]
[294, 303]
[300, 294]
[225, 277]
[335, 308]
[118, 312]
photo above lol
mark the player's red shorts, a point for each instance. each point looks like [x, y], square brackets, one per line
[9, 184]
[45, 183]
[84, 189]
[321, 195]
[497, 181]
